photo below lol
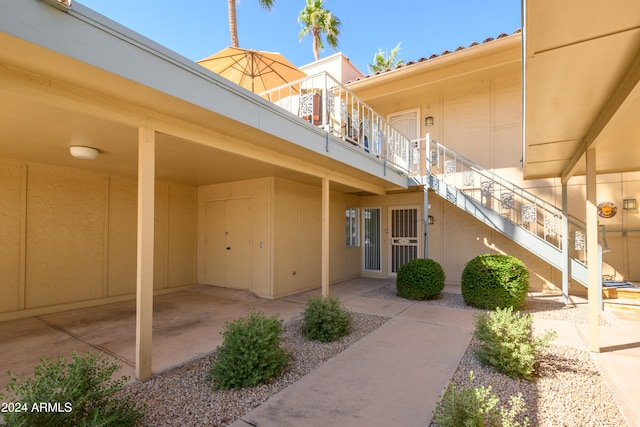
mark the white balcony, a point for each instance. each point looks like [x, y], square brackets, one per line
[325, 102]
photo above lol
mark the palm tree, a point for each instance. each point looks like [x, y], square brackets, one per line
[233, 23]
[383, 61]
[318, 21]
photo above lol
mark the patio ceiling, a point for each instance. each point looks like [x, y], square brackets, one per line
[40, 133]
[582, 86]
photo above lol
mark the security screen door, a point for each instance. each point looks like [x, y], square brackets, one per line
[404, 236]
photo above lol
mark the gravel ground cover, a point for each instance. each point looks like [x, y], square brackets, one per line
[567, 391]
[184, 395]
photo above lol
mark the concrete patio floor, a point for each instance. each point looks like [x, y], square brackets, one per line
[187, 325]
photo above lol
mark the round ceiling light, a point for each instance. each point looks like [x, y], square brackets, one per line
[84, 153]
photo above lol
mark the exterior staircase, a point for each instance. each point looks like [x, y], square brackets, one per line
[533, 223]
[518, 214]
[621, 299]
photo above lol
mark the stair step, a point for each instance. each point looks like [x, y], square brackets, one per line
[628, 305]
[621, 293]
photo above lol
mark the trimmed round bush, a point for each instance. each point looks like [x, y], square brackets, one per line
[495, 281]
[419, 279]
[326, 320]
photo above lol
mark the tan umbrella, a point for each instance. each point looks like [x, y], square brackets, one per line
[255, 70]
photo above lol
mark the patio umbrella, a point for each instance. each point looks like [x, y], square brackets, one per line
[254, 70]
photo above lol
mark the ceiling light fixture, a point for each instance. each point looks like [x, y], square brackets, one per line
[84, 153]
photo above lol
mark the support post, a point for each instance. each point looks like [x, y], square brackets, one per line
[144, 281]
[594, 280]
[565, 245]
[325, 236]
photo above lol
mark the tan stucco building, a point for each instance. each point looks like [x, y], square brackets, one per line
[198, 181]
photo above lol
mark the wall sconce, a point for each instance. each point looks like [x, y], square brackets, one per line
[84, 153]
[629, 204]
[428, 121]
[430, 220]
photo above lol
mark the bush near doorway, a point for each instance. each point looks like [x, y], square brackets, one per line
[420, 279]
[493, 281]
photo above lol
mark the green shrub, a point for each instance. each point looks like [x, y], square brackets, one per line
[419, 279]
[477, 407]
[495, 281]
[78, 393]
[325, 319]
[250, 353]
[507, 343]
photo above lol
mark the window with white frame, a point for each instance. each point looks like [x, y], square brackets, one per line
[352, 226]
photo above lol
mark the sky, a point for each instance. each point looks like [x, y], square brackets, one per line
[199, 28]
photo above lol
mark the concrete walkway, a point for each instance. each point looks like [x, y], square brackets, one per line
[395, 375]
[392, 377]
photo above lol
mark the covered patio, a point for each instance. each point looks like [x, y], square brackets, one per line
[186, 325]
[582, 103]
[128, 224]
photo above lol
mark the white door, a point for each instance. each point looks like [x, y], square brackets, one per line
[404, 233]
[228, 244]
[406, 122]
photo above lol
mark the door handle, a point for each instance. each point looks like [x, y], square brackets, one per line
[228, 248]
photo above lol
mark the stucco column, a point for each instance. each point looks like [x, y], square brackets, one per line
[325, 236]
[592, 252]
[144, 282]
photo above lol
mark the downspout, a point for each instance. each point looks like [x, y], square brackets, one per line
[425, 183]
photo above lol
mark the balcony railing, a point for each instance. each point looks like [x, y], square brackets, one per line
[325, 102]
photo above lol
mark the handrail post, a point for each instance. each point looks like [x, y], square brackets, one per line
[325, 101]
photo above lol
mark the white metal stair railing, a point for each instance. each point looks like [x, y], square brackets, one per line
[528, 220]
